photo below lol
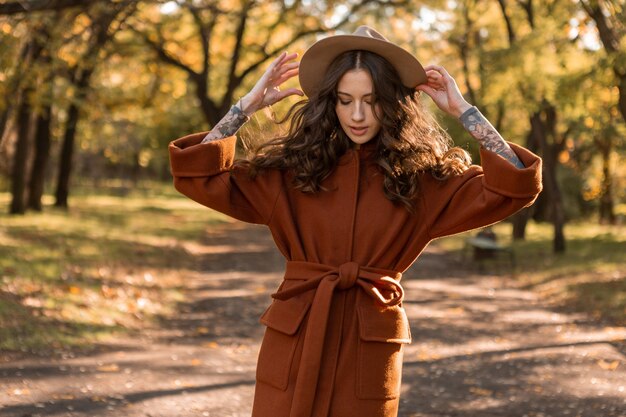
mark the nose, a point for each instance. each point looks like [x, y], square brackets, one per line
[358, 114]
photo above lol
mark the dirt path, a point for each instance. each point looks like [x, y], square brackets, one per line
[479, 349]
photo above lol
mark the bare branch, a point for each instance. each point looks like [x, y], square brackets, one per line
[233, 79]
[162, 53]
[205, 37]
[28, 6]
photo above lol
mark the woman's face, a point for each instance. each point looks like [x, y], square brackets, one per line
[355, 108]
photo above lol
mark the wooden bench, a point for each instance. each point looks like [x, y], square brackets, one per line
[485, 248]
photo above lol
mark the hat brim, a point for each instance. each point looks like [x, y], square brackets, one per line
[319, 56]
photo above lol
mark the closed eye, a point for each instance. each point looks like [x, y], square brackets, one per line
[345, 103]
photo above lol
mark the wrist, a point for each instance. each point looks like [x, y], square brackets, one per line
[457, 111]
[247, 106]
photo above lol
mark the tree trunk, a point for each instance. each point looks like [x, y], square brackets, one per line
[611, 38]
[555, 199]
[20, 157]
[607, 214]
[42, 154]
[541, 130]
[4, 119]
[101, 33]
[520, 219]
[65, 158]
[67, 149]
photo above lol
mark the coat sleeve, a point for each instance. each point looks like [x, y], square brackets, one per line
[205, 173]
[482, 195]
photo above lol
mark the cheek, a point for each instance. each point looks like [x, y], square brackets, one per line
[376, 121]
[378, 111]
[376, 129]
[341, 114]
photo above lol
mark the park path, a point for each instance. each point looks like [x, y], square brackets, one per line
[481, 348]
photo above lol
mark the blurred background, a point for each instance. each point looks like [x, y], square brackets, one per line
[92, 92]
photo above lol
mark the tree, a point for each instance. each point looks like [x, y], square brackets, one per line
[260, 31]
[537, 88]
[104, 22]
[31, 53]
[609, 17]
[42, 134]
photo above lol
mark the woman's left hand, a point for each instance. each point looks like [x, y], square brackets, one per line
[442, 88]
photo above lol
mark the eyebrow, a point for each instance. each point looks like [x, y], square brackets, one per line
[346, 94]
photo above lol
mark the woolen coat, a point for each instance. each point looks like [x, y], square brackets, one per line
[336, 327]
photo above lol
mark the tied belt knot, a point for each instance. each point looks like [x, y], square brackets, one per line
[374, 281]
[381, 284]
[348, 274]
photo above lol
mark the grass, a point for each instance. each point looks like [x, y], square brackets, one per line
[109, 265]
[590, 276]
[116, 260]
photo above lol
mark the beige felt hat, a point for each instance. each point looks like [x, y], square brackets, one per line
[319, 56]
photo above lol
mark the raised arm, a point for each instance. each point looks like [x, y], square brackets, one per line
[229, 125]
[202, 163]
[479, 127]
[442, 88]
[265, 93]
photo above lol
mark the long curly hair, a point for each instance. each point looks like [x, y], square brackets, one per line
[410, 141]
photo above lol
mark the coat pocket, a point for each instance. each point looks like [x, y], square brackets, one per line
[283, 319]
[382, 333]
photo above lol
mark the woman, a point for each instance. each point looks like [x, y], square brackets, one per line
[353, 193]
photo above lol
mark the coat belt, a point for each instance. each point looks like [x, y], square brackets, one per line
[326, 279]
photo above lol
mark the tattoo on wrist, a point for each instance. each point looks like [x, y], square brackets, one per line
[228, 126]
[487, 135]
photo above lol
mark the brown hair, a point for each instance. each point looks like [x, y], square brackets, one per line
[410, 140]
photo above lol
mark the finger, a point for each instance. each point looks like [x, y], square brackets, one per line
[286, 57]
[289, 92]
[280, 58]
[427, 89]
[286, 67]
[435, 82]
[277, 62]
[438, 69]
[434, 67]
[282, 66]
[431, 73]
[287, 75]
[271, 69]
[291, 56]
[443, 71]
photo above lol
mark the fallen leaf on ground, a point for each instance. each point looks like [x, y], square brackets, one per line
[480, 391]
[108, 368]
[202, 330]
[608, 366]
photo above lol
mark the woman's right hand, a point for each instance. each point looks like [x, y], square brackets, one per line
[267, 90]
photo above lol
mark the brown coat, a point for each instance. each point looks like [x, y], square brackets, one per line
[335, 332]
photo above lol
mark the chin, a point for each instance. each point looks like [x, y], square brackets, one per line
[361, 141]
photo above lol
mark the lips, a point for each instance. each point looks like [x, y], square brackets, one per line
[358, 130]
